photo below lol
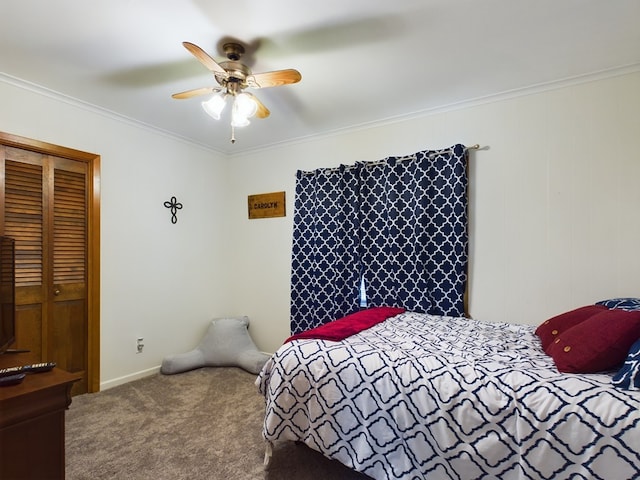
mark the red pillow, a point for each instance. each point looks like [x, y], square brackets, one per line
[599, 343]
[548, 331]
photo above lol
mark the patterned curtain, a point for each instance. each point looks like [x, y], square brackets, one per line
[399, 225]
[325, 265]
[414, 231]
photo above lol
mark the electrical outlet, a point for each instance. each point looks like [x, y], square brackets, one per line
[140, 345]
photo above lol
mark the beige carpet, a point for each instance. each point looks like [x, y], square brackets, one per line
[203, 424]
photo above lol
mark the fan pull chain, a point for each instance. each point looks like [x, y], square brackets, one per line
[233, 134]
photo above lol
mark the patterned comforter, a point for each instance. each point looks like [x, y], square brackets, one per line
[420, 396]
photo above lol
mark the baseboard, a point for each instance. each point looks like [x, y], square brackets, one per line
[129, 378]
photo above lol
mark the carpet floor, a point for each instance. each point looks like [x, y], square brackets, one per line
[202, 424]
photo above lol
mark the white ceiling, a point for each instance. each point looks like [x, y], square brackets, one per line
[362, 61]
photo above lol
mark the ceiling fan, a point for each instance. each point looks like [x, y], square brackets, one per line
[233, 77]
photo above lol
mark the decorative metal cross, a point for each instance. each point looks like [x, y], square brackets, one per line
[174, 206]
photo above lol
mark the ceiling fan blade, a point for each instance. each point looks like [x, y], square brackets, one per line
[204, 58]
[274, 79]
[195, 92]
[262, 112]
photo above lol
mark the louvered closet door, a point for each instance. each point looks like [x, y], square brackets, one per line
[45, 211]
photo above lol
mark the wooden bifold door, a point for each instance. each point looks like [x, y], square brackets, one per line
[49, 208]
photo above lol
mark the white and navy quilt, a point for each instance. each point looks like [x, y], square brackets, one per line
[420, 396]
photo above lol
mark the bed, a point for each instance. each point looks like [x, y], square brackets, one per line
[421, 396]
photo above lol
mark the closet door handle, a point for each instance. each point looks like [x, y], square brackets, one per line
[56, 292]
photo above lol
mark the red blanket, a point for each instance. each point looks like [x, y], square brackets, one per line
[349, 325]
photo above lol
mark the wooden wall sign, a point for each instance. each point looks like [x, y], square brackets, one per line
[267, 205]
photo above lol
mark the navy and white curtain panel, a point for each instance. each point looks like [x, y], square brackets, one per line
[397, 227]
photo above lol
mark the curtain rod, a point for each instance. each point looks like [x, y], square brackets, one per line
[399, 159]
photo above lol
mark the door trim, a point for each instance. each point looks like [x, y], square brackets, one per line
[93, 241]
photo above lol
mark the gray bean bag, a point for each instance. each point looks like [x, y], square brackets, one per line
[226, 344]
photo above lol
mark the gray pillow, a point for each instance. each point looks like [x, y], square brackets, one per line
[226, 344]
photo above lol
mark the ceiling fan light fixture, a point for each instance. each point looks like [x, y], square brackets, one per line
[239, 121]
[243, 108]
[245, 105]
[215, 105]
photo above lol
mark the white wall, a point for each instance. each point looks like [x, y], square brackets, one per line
[554, 201]
[159, 281]
[554, 211]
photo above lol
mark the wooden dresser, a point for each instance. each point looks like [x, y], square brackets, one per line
[32, 423]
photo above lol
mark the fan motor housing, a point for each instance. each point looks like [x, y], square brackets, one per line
[233, 51]
[237, 74]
